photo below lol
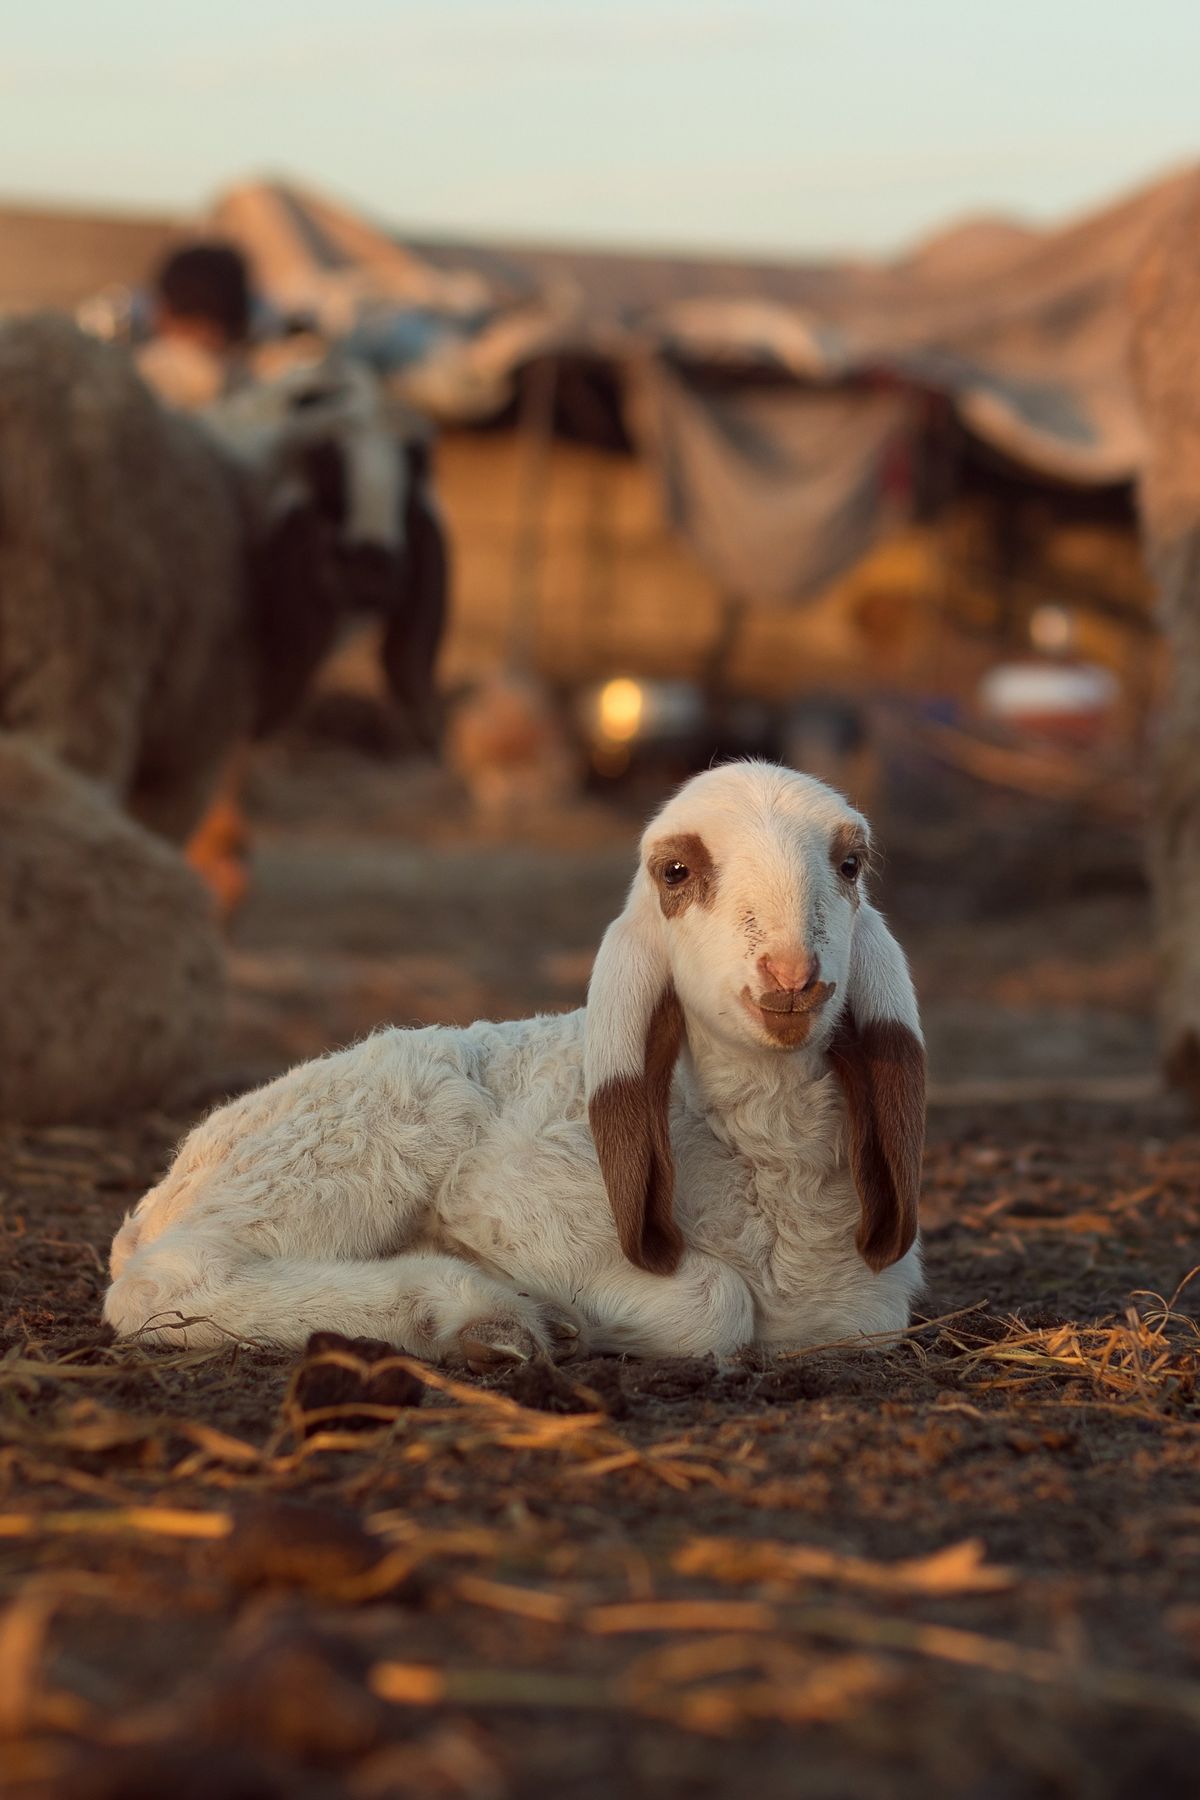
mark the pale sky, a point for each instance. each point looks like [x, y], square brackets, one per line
[776, 126]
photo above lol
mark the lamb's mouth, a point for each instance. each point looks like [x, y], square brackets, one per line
[787, 1017]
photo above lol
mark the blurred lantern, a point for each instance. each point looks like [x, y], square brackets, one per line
[622, 716]
[619, 708]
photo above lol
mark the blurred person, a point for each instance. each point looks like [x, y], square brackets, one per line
[197, 355]
[326, 416]
[203, 304]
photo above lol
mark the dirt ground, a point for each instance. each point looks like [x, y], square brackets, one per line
[966, 1566]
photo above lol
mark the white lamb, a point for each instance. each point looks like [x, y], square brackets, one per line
[723, 1148]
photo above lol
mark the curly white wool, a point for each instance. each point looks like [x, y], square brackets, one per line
[475, 1195]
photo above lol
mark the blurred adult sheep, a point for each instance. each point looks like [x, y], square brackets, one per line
[168, 587]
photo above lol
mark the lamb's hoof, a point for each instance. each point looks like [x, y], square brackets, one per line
[498, 1343]
[504, 1339]
[566, 1339]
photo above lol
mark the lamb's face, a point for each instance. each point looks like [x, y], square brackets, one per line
[757, 872]
[746, 923]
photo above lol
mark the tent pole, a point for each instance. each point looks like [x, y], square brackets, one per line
[718, 659]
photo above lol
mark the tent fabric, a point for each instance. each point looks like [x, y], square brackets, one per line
[777, 489]
[1025, 331]
[1022, 331]
[310, 254]
[755, 390]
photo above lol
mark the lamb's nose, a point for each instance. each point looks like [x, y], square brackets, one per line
[790, 974]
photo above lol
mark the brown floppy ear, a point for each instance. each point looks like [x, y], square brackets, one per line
[881, 1068]
[634, 1035]
[879, 1060]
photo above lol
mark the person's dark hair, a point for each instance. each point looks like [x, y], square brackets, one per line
[209, 282]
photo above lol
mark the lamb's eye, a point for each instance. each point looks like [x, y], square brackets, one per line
[849, 867]
[675, 873]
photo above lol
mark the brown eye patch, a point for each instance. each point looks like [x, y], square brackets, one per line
[850, 854]
[683, 872]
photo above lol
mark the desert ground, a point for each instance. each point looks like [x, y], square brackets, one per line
[966, 1565]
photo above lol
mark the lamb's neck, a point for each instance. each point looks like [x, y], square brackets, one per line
[770, 1105]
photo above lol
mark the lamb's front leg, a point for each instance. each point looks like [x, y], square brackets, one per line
[184, 1292]
[704, 1308]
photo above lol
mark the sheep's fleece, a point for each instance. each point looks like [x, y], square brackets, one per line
[122, 685]
[723, 1148]
[167, 588]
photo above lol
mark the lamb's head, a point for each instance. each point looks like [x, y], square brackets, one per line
[748, 927]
